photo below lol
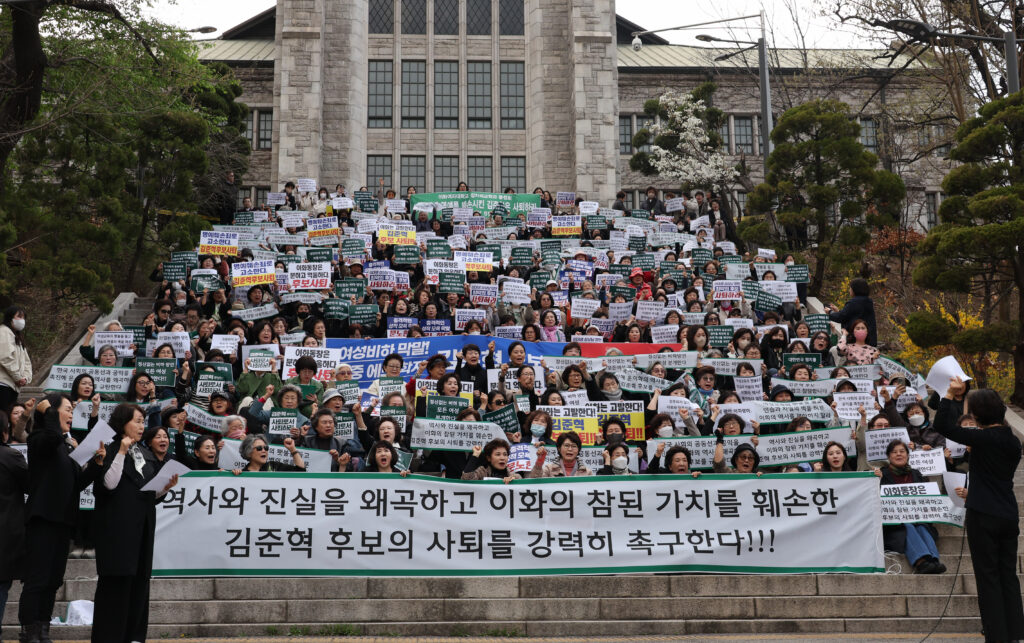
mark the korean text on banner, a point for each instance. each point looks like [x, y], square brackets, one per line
[790, 524]
[212, 242]
[252, 273]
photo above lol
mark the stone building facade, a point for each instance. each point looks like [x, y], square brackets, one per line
[517, 93]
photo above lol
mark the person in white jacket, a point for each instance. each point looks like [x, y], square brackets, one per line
[15, 365]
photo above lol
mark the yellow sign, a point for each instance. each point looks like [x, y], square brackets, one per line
[397, 237]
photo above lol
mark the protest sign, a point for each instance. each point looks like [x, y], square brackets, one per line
[309, 276]
[251, 273]
[581, 419]
[584, 308]
[464, 315]
[930, 463]
[570, 225]
[448, 435]
[900, 510]
[326, 360]
[848, 404]
[179, 341]
[483, 294]
[825, 523]
[160, 370]
[876, 440]
[212, 242]
[505, 417]
[282, 421]
[725, 290]
[122, 341]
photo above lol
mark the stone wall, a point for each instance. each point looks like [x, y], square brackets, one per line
[257, 93]
[344, 79]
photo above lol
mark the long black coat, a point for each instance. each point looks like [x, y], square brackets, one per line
[894, 537]
[13, 484]
[54, 479]
[124, 520]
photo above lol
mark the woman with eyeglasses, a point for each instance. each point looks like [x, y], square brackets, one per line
[255, 450]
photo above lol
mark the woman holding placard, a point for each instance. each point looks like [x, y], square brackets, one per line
[992, 515]
[915, 540]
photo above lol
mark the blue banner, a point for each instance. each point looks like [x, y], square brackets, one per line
[366, 356]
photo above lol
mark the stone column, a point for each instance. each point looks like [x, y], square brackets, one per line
[298, 105]
[549, 86]
[345, 83]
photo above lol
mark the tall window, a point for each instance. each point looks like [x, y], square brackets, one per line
[644, 122]
[513, 95]
[261, 196]
[446, 94]
[414, 173]
[625, 135]
[723, 131]
[266, 130]
[379, 92]
[743, 127]
[942, 135]
[446, 17]
[414, 17]
[741, 203]
[869, 134]
[242, 193]
[479, 95]
[629, 200]
[513, 173]
[931, 203]
[414, 94]
[479, 173]
[478, 17]
[378, 166]
[248, 130]
[382, 16]
[446, 173]
[510, 17]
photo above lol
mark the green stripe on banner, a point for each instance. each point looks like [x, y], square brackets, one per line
[555, 571]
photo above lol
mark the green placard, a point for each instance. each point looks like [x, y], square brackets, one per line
[319, 254]
[189, 257]
[138, 336]
[730, 259]
[677, 275]
[817, 323]
[540, 279]
[640, 214]
[620, 269]
[175, 271]
[637, 244]
[349, 390]
[644, 261]
[352, 248]
[451, 282]
[397, 413]
[812, 359]
[719, 335]
[596, 222]
[440, 407]
[505, 417]
[282, 421]
[203, 282]
[438, 249]
[244, 218]
[222, 369]
[307, 390]
[492, 248]
[699, 257]
[363, 314]
[347, 288]
[750, 289]
[336, 308]
[160, 369]
[446, 215]
[766, 301]
[800, 274]
[344, 426]
[407, 255]
[287, 259]
[521, 256]
[625, 291]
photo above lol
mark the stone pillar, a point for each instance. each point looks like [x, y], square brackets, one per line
[595, 99]
[298, 103]
[549, 153]
[345, 82]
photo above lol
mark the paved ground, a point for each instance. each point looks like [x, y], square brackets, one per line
[881, 637]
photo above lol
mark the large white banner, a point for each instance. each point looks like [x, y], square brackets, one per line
[367, 524]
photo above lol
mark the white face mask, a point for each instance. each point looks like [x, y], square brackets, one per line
[18, 324]
[620, 462]
[537, 430]
[916, 420]
[665, 432]
[789, 263]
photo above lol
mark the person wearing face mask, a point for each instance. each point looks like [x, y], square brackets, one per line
[772, 348]
[567, 464]
[860, 306]
[616, 460]
[125, 521]
[15, 365]
[919, 429]
[915, 540]
[857, 351]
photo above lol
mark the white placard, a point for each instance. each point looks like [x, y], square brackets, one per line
[930, 463]
[876, 440]
[101, 433]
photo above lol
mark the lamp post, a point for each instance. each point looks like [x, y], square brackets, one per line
[924, 32]
[762, 64]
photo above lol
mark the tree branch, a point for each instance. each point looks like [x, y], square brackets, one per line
[102, 6]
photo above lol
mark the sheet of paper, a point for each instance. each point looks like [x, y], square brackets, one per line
[164, 475]
[952, 480]
[942, 371]
[100, 434]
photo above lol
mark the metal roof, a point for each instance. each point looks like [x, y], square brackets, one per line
[237, 50]
[684, 56]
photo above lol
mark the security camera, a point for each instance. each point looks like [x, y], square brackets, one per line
[637, 43]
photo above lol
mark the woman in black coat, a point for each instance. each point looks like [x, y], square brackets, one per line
[54, 483]
[125, 521]
[13, 485]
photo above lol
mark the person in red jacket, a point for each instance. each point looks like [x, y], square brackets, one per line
[638, 281]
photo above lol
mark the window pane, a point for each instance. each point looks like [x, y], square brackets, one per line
[513, 173]
[242, 193]
[513, 96]
[446, 173]
[378, 166]
[625, 135]
[382, 18]
[869, 134]
[723, 131]
[414, 17]
[414, 94]
[478, 17]
[510, 17]
[446, 17]
[379, 92]
[248, 130]
[266, 124]
[261, 197]
[628, 201]
[744, 130]
[932, 208]
[643, 122]
[741, 200]
[414, 173]
[479, 173]
[446, 95]
[479, 95]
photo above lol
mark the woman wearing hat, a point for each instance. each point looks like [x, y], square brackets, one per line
[745, 458]
[638, 281]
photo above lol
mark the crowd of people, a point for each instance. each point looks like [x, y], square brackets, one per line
[599, 283]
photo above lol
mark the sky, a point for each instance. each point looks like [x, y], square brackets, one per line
[818, 31]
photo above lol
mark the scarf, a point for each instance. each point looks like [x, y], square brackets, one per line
[613, 397]
[899, 471]
[137, 458]
[550, 333]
